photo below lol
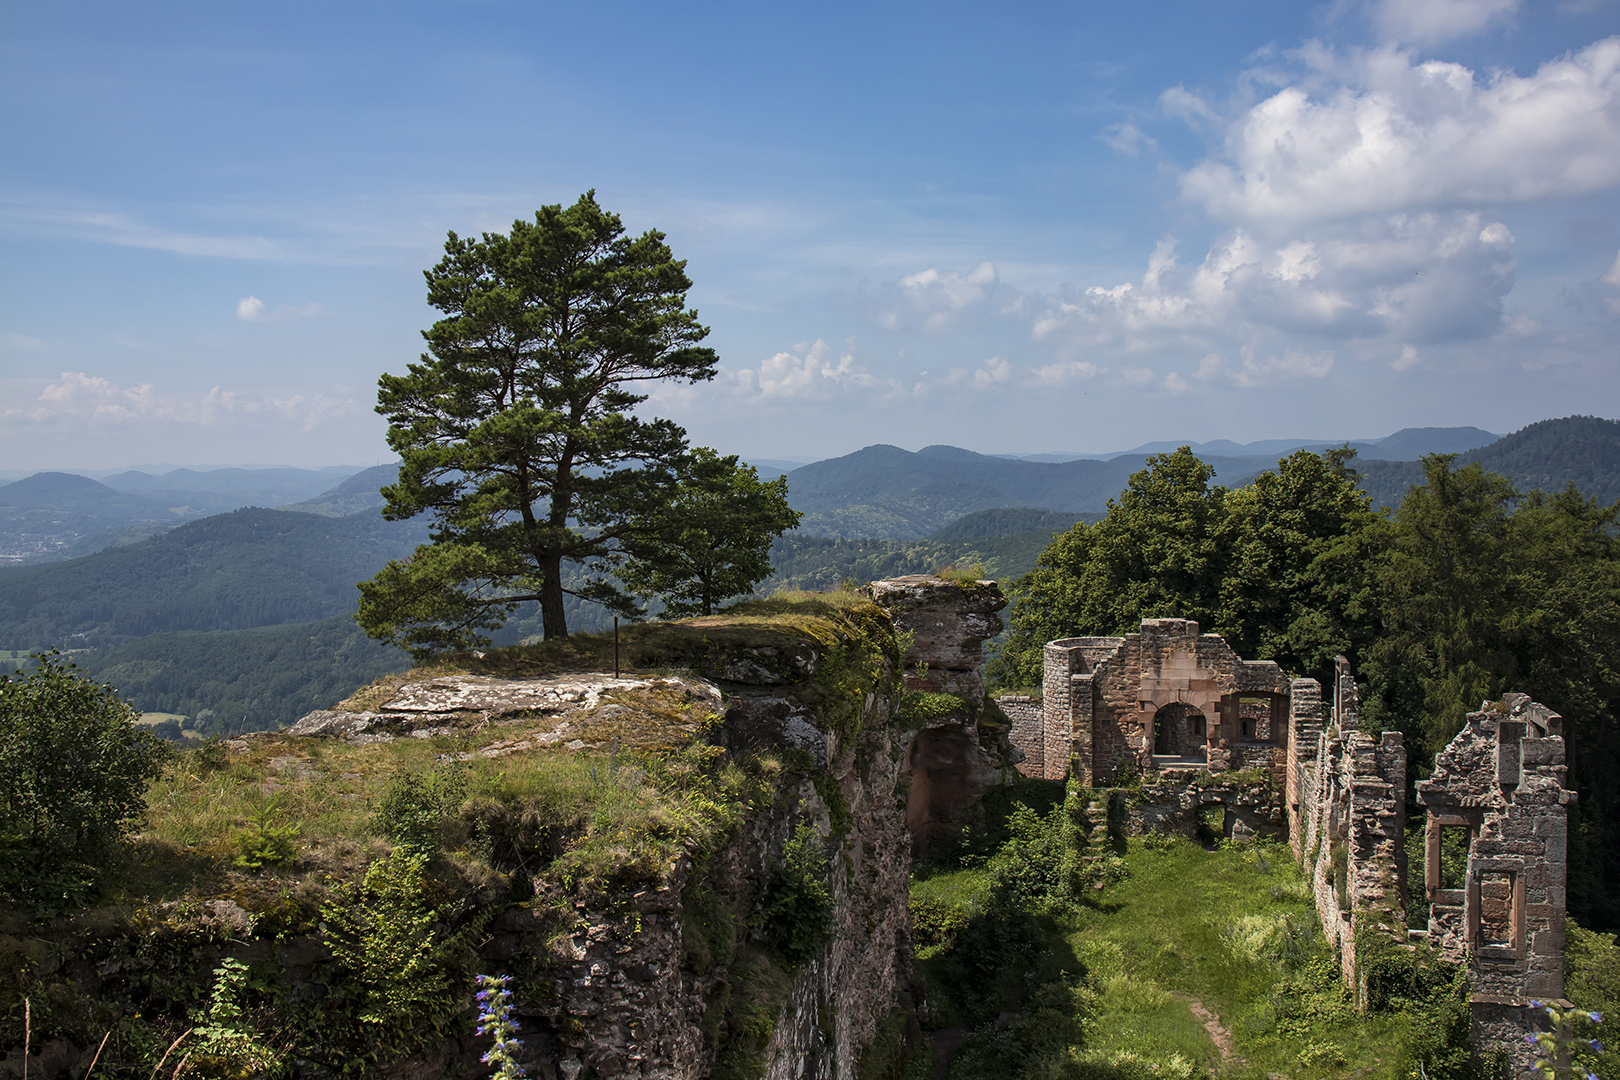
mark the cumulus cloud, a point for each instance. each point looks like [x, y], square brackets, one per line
[807, 373]
[939, 300]
[992, 372]
[1379, 132]
[252, 309]
[78, 397]
[1430, 21]
[1418, 278]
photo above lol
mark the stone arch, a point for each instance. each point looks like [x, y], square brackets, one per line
[1180, 729]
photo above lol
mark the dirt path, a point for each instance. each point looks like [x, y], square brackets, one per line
[1212, 1024]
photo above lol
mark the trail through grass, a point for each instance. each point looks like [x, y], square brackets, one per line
[1187, 963]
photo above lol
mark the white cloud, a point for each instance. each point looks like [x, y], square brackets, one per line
[1063, 372]
[77, 397]
[1612, 277]
[993, 371]
[252, 309]
[1378, 132]
[1407, 360]
[1430, 21]
[808, 373]
[21, 341]
[1126, 138]
[937, 300]
[1416, 278]
[1183, 104]
[1292, 366]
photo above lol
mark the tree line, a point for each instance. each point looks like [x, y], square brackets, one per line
[1466, 590]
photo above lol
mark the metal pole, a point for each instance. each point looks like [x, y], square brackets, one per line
[615, 646]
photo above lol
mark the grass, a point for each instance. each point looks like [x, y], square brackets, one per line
[1234, 929]
[1190, 936]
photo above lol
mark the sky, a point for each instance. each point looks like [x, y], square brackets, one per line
[1015, 228]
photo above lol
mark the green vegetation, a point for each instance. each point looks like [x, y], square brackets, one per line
[1467, 591]
[518, 431]
[392, 859]
[1177, 961]
[713, 541]
[74, 767]
[237, 571]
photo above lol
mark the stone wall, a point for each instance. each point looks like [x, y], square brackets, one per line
[1026, 732]
[952, 757]
[1353, 789]
[1166, 692]
[1503, 779]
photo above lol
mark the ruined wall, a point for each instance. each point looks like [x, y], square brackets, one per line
[1353, 792]
[1167, 692]
[955, 752]
[1026, 732]
[1503, 779]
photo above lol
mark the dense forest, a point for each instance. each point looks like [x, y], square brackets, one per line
[1469, 589]
[236, 571]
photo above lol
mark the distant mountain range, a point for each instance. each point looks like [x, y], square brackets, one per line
[888, 493]
[232, 618]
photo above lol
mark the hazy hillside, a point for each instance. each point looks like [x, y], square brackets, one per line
[220, 490]
[359, 493]
[1583, 450]
[234, 571]
[884, 492]
[245, 680]
[49, 514]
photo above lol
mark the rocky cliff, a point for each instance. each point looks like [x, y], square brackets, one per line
[697, 869]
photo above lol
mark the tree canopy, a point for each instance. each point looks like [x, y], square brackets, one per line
[1468, 590]
[714, 540]
[516, 430]
[73, 774]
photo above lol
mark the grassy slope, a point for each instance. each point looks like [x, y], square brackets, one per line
[1232, 929]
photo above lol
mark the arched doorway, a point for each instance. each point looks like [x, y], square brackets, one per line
[1180, 730]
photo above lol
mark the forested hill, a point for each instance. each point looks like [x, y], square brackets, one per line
[1550, 454]
[250, 568]
[886, 493]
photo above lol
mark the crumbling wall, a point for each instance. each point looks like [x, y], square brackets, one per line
[1503, 779]
[1104, 696]
[954, 754]
[1353, 804]
[1026, 731]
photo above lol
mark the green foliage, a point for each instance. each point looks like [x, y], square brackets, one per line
[1592, 982]
[417, 804]
[713, 540]
[967, 574]
[266, 844]
[517, 430]
[73, 773]
[226, 1043]
[237, 571]
[796, 912]
[382, 930]
[917, 708]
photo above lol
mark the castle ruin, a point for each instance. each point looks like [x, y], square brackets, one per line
[1170, 710]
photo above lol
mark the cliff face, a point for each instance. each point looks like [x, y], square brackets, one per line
[700, 869]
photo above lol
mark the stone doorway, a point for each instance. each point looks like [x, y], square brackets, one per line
[1180, 732]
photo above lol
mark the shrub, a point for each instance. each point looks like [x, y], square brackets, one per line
[73, 774]
[797, 913]
[417, 803]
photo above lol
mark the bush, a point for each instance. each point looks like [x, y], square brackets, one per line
[797, 912]
[74, 767]
[417, 804]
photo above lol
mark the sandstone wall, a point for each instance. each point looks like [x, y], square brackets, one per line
[1503, 779]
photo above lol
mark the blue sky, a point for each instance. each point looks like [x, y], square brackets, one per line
[1044, 227]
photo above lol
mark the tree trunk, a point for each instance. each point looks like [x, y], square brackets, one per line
[552, 615]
